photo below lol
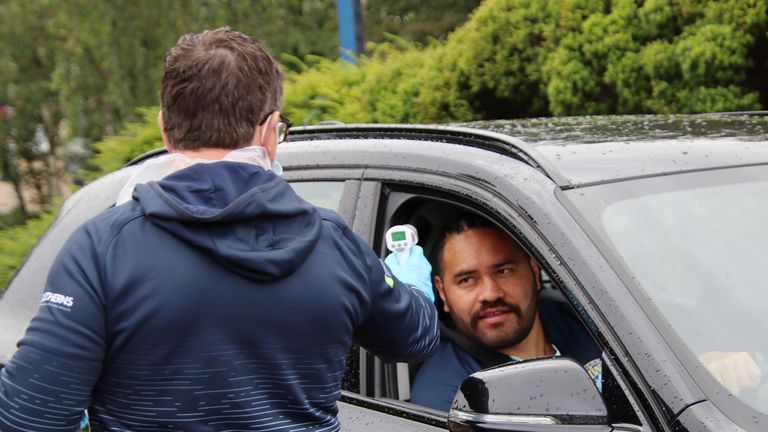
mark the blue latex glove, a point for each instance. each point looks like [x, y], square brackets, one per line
[84, 426]
[416, 270]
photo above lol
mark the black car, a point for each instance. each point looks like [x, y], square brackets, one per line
[653, 229]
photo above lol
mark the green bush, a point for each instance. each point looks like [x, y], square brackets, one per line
[13, 218]
[515, 58]
[16, 242]
[660, 57]
[134, 139]
[320, 90]
[521, 58]
[383, 87]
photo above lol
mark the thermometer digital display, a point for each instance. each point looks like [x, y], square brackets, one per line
[400, 239]
[397, 236]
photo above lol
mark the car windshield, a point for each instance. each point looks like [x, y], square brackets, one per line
[696, 245]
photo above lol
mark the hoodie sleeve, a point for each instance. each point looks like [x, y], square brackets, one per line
[402, 323]
[47, 384]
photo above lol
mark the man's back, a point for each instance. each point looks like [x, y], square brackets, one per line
[241, 317]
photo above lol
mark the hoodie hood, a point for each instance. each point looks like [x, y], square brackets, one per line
[247, 218]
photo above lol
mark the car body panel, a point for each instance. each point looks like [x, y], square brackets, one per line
[582, 150]
[366, 419]
[706, 417]
[617, 161]
[525, 182]
[594, 149]
[525, 198]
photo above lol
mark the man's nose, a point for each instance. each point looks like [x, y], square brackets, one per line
[490, 290]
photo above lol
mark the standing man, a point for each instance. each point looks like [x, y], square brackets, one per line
[491, 289]
[215, 299]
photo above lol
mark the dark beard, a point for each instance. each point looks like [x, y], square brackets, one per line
[495, 339]
[513, 338]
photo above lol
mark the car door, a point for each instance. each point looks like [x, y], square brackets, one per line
[396, 176]
[424, 206]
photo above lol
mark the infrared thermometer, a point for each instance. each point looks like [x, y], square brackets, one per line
[400, 240]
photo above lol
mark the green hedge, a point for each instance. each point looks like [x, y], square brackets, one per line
[109, 155]
[16, 242]
[522, 58]
[516, 58]
[134, 139]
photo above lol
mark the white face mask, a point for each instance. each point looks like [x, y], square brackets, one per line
[277, 168]
[256, 155]
[162, 166]
[280, 132]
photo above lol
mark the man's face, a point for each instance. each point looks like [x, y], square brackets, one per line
[489, 286]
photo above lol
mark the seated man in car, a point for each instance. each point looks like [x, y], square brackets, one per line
[491, 288]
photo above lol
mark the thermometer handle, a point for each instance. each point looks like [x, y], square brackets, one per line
[402, 257]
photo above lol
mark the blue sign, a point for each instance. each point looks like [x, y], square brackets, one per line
[350, 25]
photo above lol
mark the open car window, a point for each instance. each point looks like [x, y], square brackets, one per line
[432, 213]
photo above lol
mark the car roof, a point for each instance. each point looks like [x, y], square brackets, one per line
[586, 150]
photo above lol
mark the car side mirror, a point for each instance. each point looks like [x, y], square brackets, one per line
[545, 394]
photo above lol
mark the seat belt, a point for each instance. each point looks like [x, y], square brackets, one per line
[486, 356]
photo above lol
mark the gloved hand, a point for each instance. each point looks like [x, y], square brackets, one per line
[84, 425]
[736, 371]
[416, 270]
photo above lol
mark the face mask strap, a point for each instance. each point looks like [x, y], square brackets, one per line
[264, 130]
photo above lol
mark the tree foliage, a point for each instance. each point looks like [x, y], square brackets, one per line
[81, 68]
[522, 58]
[414, 20]
[31, 114]
[136, 138]
[659, 57]
[17, 241]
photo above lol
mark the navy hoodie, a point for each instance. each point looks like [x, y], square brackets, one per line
[216, 300]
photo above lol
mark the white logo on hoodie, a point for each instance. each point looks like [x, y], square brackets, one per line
[57, 300]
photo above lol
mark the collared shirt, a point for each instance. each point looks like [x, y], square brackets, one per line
[556, 354]
[440, 377]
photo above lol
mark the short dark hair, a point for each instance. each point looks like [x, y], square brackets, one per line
[217, 87]
[463, 222]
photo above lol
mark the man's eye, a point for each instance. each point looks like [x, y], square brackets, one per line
[505, 270]
[465, 280]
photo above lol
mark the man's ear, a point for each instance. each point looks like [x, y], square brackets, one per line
[265, 135]
[166, 143]
[536, 272]
[441, 291]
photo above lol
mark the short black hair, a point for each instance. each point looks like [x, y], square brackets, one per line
[463, 221]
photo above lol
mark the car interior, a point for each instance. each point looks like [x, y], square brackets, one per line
[431, 216]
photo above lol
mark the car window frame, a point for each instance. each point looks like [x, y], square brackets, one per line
[487, 176]
[417, 180]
